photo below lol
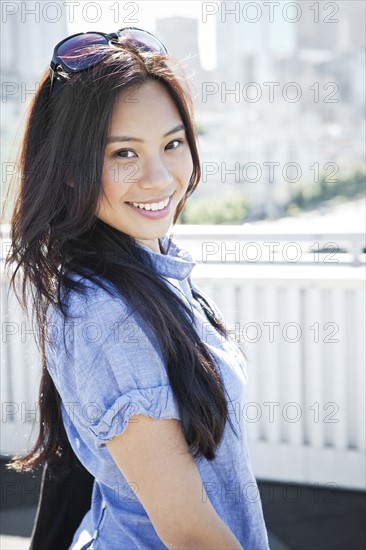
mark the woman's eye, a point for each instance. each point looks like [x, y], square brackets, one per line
[124, 154]
[175, 144]
[128, 153]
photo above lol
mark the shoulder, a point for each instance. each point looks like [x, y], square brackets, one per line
[89, 298]
[108, 356]
[207, 299]
[95, 317]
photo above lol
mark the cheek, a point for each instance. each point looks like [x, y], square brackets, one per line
[118, 177]
[187, 164]
[111, 186]
[107, 177]
[106, 196]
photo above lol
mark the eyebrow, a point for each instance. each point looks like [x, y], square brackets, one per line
[114, 139]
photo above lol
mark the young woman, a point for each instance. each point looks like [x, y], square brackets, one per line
[141, 380]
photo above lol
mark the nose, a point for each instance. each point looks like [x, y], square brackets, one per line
[156, 174]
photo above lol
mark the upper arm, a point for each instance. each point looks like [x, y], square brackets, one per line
[108, 369]
[154, 455]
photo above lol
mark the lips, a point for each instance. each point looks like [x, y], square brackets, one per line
[152, 214]
[152, 201]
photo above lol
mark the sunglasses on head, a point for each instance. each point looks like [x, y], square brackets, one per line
[73, 54]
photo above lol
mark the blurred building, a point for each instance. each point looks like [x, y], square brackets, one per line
[320, 58]
[180, 35]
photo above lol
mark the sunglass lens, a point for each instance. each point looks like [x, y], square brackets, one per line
[142, 40]
[72, 52]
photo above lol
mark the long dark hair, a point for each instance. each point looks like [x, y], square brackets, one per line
[54, 230]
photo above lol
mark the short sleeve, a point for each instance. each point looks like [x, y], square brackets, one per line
[107, 366]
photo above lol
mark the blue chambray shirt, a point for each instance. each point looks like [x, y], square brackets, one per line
[115, 370]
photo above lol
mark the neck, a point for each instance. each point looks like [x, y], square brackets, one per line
[153, 244]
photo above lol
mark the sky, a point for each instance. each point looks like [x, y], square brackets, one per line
[115, 14]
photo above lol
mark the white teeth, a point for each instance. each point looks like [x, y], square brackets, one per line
[152, 206]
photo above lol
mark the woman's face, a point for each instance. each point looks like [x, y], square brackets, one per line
[147, 164]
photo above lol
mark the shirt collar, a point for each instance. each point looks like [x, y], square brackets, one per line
[176, 263]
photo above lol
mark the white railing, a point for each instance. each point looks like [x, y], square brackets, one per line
[304, 329]
[253, 244]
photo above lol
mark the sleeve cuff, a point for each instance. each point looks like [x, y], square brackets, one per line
[158, 402]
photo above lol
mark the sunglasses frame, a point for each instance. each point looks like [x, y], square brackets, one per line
[111, 38]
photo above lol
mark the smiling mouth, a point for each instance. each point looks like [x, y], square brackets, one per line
[152, 206]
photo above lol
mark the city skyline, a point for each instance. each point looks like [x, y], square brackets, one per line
[323, 126]
[147, 16]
